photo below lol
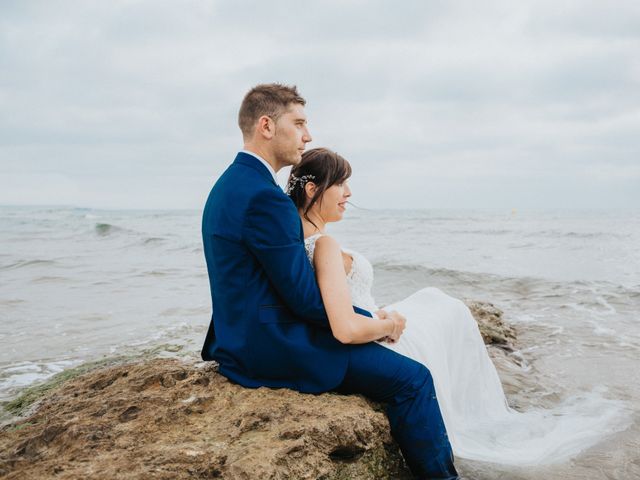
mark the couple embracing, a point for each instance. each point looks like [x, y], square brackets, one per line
[284, 313]
[293, 309]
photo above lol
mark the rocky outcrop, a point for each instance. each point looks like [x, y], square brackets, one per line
[495, 331]
[175, 419]
[168, 419]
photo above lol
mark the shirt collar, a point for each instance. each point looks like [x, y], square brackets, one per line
[264, 162]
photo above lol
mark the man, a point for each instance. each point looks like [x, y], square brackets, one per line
[269, 326]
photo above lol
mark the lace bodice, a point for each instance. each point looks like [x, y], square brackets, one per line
[359, 278]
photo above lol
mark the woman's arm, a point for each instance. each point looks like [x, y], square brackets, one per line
[346, 326]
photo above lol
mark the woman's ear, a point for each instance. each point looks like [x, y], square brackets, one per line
[310, 190]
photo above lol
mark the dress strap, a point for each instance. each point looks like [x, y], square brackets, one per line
[310, 245]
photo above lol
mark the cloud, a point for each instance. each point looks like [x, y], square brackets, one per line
[108, 100]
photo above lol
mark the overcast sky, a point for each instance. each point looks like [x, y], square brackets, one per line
[436, 104]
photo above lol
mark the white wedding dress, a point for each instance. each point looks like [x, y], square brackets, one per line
[442, 334]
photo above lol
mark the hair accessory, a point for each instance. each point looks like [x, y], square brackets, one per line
[294, 181]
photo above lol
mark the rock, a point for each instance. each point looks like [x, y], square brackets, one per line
[494, 330]
[130, 421]
[175, 419]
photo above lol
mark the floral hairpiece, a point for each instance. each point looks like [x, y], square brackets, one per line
[294, 181]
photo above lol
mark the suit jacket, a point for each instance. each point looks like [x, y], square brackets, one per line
[268, 325]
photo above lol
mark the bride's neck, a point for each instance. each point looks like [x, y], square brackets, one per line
[314, 225]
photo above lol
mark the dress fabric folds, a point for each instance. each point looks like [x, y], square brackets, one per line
[442, 334]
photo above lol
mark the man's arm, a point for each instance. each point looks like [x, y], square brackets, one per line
[272, 233]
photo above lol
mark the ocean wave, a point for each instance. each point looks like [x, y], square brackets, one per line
[580, 235]
[153, 240]
[165, 272]
[446, 272]
[597, 290]
[49, 279]
[525, 245]
[200, 311]
[108, 229]
[489, 231]
[12, 302]
[27, 263]
[103, 229]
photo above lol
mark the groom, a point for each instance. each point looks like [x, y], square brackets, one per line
[269, 326]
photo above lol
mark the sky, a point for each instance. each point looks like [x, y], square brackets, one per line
[436, 104]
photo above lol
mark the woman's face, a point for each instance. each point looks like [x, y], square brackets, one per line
[333, 202]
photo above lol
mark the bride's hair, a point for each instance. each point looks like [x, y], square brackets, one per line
[321, 166]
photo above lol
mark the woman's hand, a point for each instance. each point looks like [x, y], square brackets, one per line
[382, 315]
[398, 323]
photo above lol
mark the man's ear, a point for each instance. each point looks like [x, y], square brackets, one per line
[266, 127]
[310, 189]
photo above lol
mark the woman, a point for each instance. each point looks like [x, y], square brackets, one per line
[440, 332]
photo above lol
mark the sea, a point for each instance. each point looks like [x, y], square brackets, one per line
[82, 284]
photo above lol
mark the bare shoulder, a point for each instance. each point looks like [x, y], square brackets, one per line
[327, 247]
[327, 243]
[329, 256]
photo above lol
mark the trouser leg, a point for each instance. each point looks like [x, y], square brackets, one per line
[407, 388]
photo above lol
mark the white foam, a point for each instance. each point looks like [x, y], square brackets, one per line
[610, 309]
[24, 374]
[540, 437]
[603, 331]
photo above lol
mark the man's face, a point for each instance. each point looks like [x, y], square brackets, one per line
[291, 135]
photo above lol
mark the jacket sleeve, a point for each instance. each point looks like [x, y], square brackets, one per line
[272, 233]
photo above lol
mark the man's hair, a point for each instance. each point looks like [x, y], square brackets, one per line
[270, 99]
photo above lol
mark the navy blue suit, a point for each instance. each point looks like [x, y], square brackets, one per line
[269, 326]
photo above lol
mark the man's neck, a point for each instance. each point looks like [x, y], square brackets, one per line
[264, 155]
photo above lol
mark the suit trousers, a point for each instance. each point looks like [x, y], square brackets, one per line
[406, 387]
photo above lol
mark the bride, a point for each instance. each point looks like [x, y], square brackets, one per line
[441, 333]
